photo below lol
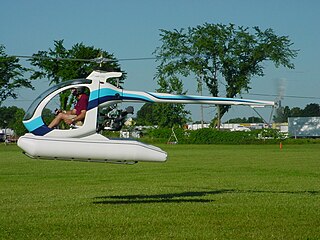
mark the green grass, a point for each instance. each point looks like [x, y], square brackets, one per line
[202, 192]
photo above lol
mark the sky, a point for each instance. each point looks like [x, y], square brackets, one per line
[131, 29]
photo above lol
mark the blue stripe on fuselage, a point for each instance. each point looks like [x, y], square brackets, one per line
[34, 124]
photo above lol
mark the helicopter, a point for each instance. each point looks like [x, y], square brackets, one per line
[85, 143]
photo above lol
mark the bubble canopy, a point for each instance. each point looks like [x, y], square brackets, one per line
[37, 101]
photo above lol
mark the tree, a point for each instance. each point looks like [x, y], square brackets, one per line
[254, 120]
[295, 112]
[237, 120]
[170, 114]
[146, 115]
[18, 126]
[6, 116]
[11, 117]
[11, 76]
[245, 120]
[282, 114]
[61, 64]
[221, 55]
[311, 110]
[164, 114]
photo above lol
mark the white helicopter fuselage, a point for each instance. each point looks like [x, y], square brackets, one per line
[83, 142]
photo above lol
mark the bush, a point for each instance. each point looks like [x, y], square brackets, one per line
[302, 141]
[213, 136]
[162, 135]
[200, 136]
[269, 133]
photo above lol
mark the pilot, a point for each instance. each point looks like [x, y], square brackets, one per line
[75, 115]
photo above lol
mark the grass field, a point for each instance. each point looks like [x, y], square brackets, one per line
[202, 192]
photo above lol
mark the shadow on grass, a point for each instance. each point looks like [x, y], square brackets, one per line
[184, 196]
